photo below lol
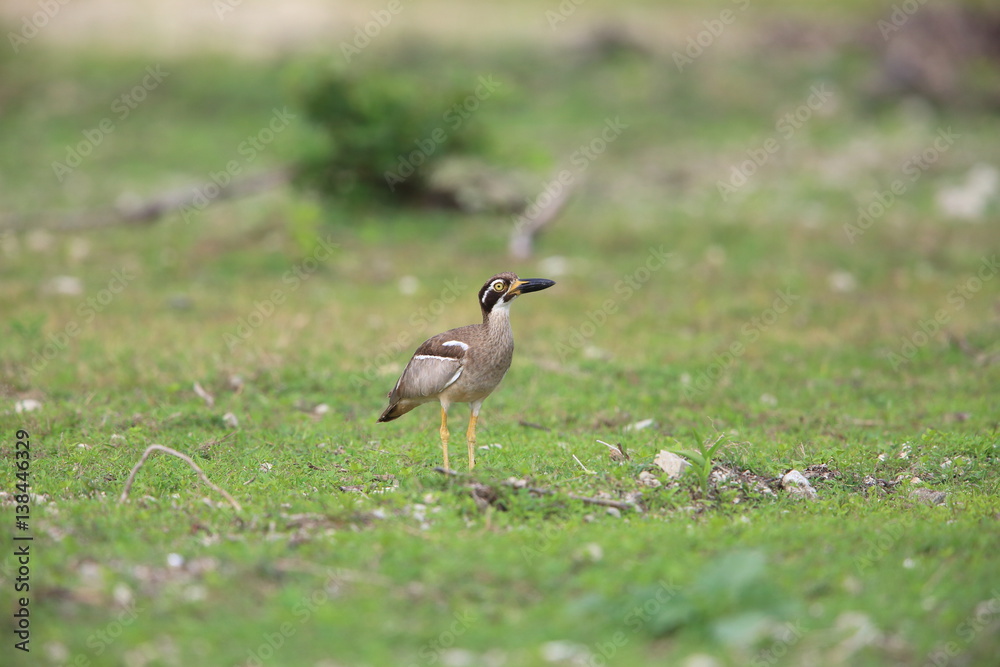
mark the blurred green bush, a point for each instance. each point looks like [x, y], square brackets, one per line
[382, 133]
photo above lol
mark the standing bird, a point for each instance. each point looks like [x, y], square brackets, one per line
[466, 364]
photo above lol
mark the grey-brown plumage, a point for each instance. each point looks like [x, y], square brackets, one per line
[466, 364]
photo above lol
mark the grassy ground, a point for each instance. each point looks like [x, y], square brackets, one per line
[773, 316]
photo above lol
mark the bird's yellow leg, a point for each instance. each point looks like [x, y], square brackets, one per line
[470, 437]
[444, 436]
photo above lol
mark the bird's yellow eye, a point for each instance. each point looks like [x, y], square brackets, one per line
[499, 286]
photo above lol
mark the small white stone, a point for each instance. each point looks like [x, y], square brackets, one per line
[122, 594]
[842, 281]
[39, 240]
[175, 560]
[78, 249]
[639, 425]
[65, 285]
[562, 651]
[230, 420]
[418, 511]
[594, 352]
[796, 483]
[458, 657]
[929, 496]
[409, 285]
[27, 405]
[647, 478]
[57, 653]
[195, 593]
[970, 200]
[701, 660]
[671, 463]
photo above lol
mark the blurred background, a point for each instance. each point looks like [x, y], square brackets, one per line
[226, 224]
[845, 149]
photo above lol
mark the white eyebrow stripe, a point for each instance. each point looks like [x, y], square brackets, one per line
[434, 356]
[464, 346]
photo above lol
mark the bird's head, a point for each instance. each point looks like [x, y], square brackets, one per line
[503, 288]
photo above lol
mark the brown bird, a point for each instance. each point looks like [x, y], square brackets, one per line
[466, 364]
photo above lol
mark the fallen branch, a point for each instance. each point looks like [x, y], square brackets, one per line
[150, 210]
[519, 484]
[534, 425]
[186, 459]
[522, 237]
[603, 502]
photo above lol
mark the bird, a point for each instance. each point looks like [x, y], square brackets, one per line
[466, 364]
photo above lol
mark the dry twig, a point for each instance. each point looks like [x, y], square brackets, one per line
[603, 502]
[149, 210]
[186, 459]
[522, 237]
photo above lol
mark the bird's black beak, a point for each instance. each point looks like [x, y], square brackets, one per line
[530, 285]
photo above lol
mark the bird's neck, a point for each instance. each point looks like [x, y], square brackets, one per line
[496, 323]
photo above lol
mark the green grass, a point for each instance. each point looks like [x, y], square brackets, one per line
[350, 549]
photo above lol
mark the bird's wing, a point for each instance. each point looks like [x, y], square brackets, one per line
[435, 365]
